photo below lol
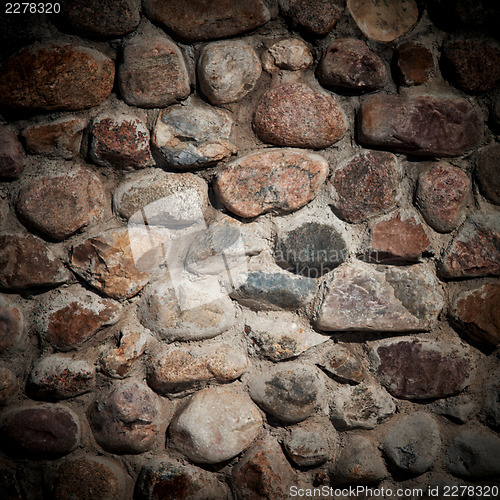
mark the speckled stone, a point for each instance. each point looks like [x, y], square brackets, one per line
[415, 63]
[11, 155]
[488, 173]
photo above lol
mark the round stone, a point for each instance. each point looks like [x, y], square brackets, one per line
[291, 54]
[488, 173]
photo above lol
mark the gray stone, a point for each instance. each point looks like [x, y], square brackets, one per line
[291, 54]
[307, 446]
[459, 408]
[342, 362]
[488, 171]
[492, 402]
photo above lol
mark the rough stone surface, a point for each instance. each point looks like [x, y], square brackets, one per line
[275, 180]
[488, 173]
[421, 125]
[363, 297]
[442, 194]
[39, 432]
[228, 71]
[365, 186]
[153, 73]
[415, 63]
[349, 63]
[8, 385]
[126, 420]
[295, 115]
[343, 363]
[53, 77]
[26, 261]
[492, 401]
[475, 249]
[291, 54]
[11, 155]
[307, 447]
[193, 135]
[457, 408]
[60, 204]
[422, 369]
[11, 324]
[215, 425]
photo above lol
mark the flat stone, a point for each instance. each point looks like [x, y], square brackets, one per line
[39, 432]
[459, 408]
[9, 385]
[227, 71]
[263, 473]
[106, 262]
[153, 73]
[473, 454]
[274, 180]
[291, 54]
[60, 377]
[295, 115]
[474, 250]
[413, 443]
[163, 477]
[11, 155]
[488, 173]
[477, 313]
[307, 447]
[366, 186]
[422, 369]
[120, 140]
[422, 125]
[363, 297]
[55, 138]
[215, 425]
[291, 392]
[443, 191]
[11, 324]
[126, 420]
[361, 406]
[179, 368]
[56, 77]
[492, 401]
[62, 203]
[10, 485]
[193, 135]
[349, 63]
[195, 22]
[102, 19]
[384, 21]
[414, 63]
[343, 363]
[66, 318]
[26, 261]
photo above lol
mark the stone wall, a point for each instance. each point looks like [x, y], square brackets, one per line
[247, 248]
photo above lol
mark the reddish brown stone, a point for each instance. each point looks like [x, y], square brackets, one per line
[423, 125]
[366, 186]
[56, 77]
[342, 361]
[25, 261]
[39, 432]
[415, 63]
[473, 65]
[10, 325]
[488, 173]
[293, 114]
[60, 204]
[11, 155]
[349, 63]
[316, 17]
[8, 385]
[276, 180]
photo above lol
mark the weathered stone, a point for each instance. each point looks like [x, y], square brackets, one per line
[384, 21]
[164, 477]
[307, 447]
[11, 155]
[360, 406]
[475, 249]
[342, 361]
[363, 297]
[492, 401]
[9, 482]
[153, 73]
[201, 20]
[422, 125]
[53, 77]
[62, 203]
[291, 54]
[11, 324]
[66, 318]
[120, 140]
[415, 63]
[55, 138]
[365, 186]
[102, 19]
[39, 432]
[277, 180]
[291, 392]
[60, 377]
[179, 368]
[422, 369]
[126, 420]
[193, 135]
[413, 443]
[107, 263]
[488, 173]
[228, 71]
[473, 454]
[215, 425]
[295, 115]
[8, 385]
[349, 63]
[83, 477]
[459, 408]
[25, 262]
